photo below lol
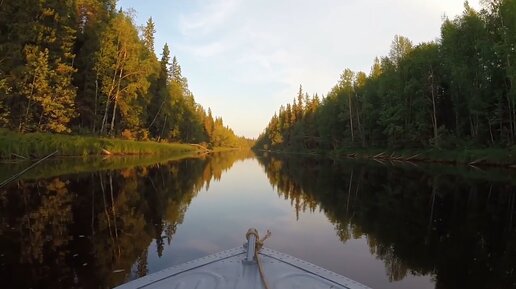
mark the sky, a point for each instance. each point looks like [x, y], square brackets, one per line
[246, 58]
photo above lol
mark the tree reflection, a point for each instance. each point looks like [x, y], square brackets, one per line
[93, 230]
[457, 228]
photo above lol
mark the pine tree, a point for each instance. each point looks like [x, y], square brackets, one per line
[148, 35]
[158, 103]
[300, 105]
[209, 124]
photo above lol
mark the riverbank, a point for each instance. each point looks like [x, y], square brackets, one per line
[499, 157]
[36, 145]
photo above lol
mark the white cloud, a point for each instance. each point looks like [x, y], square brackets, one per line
[210, 14]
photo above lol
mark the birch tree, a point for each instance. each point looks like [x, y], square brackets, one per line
[122, 73]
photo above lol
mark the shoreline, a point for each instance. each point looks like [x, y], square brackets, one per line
[16, 146]
[478, 157]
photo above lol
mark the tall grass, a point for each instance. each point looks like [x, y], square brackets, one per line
[41, 144]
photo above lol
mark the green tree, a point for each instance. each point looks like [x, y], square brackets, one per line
[122, 73]
[300, 103]
[18, 20]
[38, 60]
[502, 23]
[426, 97]
[359, 90]
[347, 91]
[148, 35]
[157, 106]
[400, 47]
[93, 16]
[468, 56]
[49, 107]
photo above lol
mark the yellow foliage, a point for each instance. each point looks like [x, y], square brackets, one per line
[127, 134]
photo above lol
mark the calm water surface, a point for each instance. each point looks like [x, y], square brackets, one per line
[386, 226]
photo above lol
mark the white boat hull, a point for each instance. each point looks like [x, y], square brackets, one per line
[229, 269]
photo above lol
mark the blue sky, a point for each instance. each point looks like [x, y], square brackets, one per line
[245, 58]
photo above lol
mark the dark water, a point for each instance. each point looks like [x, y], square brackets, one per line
[386, 226]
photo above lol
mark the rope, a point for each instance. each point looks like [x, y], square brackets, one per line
[259, 246]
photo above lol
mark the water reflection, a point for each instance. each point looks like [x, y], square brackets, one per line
[87, 230]
[456, 227]
[388, 227]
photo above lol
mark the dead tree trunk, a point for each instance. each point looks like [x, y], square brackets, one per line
[434, 113]
[351, 119]
[120, 76]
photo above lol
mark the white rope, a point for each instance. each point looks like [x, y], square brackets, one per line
[258, 247]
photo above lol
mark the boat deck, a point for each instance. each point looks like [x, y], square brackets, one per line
[229, 269]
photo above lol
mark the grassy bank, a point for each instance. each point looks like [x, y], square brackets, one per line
[41, 144]
[505, 157]
[502, 157]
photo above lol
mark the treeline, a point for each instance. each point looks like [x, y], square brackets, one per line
[458, 91]
[82, 66]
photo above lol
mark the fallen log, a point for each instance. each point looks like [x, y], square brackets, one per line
[378, 155]
[477, 161]
[19, 156]
[412, 157]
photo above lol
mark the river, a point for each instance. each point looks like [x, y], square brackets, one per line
[72, 223]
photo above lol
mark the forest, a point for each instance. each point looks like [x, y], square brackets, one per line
[455, 92]
[83, 67]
